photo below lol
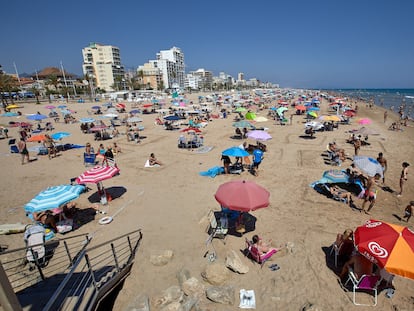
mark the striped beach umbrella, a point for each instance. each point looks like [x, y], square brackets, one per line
[97, 174]
[53, 197]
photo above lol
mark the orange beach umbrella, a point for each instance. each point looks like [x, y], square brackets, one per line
[39, 137]
[389, 246]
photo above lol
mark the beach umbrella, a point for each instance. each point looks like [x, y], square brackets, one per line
[349, 113]
[87, 120]
[36, 117]
[96, 107]
[250, 116]
[300, 107]
[97, 174]
[191, 129]
[110, 115]
[244, 124]
[60, 135]
[62, 106]
[259, 135]
[240, 109]
[368, 166]
[335, 176]
[235, 152]
[135, 111]
[364, 121]
[312, 114]
[39, 137]
[281, 110]
[98, 128]
[13, 106]
[387, 245]
[330, 118]
[134, 120]
[53, 197]
[315, 125]
[107, 104]
[65, 111]
[10, 114]
[242, 195]
[172, 118]
[120, 105]
[147, 105]
[50, 107]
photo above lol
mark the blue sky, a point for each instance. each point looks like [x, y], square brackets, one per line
[309, 44]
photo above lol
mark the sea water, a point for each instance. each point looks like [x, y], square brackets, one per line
[391, 99]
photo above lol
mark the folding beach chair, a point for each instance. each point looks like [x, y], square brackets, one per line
[365, 283]
[254, 253]
[217, 227]
[34, 237]
[89, 159]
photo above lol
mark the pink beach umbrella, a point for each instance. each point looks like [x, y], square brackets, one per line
[364, 121]
[97, 174]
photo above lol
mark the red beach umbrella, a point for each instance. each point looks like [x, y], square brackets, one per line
[300, 107]
[120, 105]
[191, 129]
[242, 195]
[389, 246]
[350, 113]
[97, 174]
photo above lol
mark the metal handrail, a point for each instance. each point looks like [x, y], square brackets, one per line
[95, 267]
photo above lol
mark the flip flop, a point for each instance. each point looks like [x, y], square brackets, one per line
[275, 268]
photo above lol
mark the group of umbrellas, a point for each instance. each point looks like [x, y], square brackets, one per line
[56, 196]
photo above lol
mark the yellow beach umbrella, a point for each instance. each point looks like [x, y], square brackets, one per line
[12, 106]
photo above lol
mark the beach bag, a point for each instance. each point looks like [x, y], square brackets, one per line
[34, 237]
[64, 225]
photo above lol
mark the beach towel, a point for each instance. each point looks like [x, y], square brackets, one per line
[147, 164]
[204, 149]
[213, 172]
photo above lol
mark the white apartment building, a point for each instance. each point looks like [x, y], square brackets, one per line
[199, 79]
[103, 64]
[172, 67]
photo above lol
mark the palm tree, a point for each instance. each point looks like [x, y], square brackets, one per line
[141, 78]
[36, 92]
[7, 84]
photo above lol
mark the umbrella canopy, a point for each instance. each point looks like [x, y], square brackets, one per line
[10, 114]
[281, 110]
[250, 116]
[259, 135]
[120, 105]
[335, 176]
[97, 174]
[313, 108]
[110, 115]
[172, 118]
[242, 195]
[364, 121]
[96, 107]
[313, 114]
[244, 124]
[62, 106]
[135, 111]
[368, 166]
[50, 107]
[300, 107]
[98, 128]
[36, 117]
[235, 152]
[12, 106]
[349, 113]
[147, 105]
[39, 137]
[330, 118]
[134, 120]
[60, 135]
[87, 120]
[53, 197]
[240, 109]
[389, 246]
[191, 129]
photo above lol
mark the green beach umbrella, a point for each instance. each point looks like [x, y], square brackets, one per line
[250, 116]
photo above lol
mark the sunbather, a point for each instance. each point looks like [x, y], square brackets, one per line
[153, 160]
[262, 246]
[341, 193]
[46, 218]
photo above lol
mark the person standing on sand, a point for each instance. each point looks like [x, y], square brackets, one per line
[381, 160]
[385, 116]
[408, 211]
[370, 193]
[403, 177]
[21, 145]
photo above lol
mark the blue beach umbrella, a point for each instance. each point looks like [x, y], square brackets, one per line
[335, 176]
[96, 107]
[62, 106]
[135, 111]
[53, 197]
[235, 152]
[314, 109]
[36, 117]
[60, 135]
[87, 120]
[172, 118]
[244, 124]
[10, 114]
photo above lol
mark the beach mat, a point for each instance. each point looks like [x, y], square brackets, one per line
[213, 172]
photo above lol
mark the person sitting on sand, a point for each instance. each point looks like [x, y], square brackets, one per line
[341, 193]
[153, 160]
[262, 246]
[360, 266]
[46, 218]
[345, 244]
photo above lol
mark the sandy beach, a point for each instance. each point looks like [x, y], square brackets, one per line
[170, 204]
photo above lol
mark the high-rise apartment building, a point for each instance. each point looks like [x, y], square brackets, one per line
[102, 63]
[172, 67]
